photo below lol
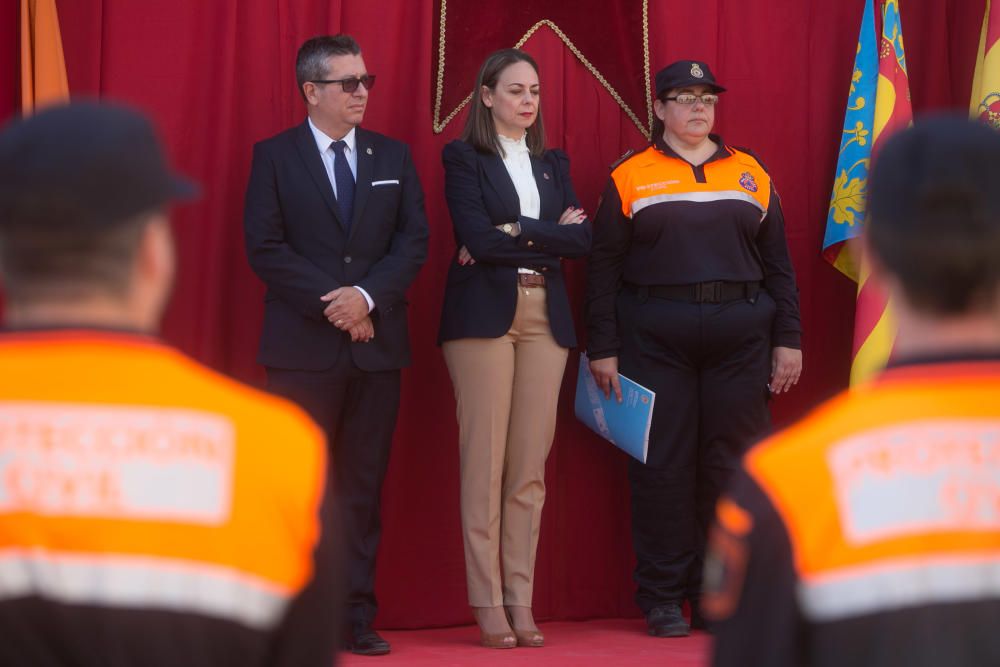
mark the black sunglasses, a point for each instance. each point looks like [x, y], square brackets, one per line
[351, 84]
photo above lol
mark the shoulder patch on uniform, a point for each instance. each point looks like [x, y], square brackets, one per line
[629, 153]
[725, 566]
[732, 517]
[749, 153]
[747, 181]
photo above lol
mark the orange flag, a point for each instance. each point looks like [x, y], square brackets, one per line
[43, 66]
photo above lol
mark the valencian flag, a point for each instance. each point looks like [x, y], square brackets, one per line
[43, 67]
[986, 83]
[878, 105]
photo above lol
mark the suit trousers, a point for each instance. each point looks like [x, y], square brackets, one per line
[709, 364]
[507, 391]
[357, 410]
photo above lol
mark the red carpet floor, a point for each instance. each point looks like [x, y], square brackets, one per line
[606, 643]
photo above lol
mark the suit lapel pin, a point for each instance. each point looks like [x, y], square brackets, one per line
[545, 176]
[369, 151]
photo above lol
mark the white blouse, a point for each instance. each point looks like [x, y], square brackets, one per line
[517, 160]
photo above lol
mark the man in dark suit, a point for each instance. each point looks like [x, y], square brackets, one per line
[335, 227]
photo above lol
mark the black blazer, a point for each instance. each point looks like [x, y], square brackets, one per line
[298, 245]
[480, 299]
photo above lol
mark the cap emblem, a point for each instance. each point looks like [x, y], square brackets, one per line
[696, 71]
[747, 181]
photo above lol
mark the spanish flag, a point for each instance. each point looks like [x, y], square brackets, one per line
[878, 106]
[986, 82]
[43, 66]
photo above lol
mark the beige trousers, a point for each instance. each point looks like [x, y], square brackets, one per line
[507, 390]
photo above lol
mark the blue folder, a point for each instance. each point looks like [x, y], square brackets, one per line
[626, 424]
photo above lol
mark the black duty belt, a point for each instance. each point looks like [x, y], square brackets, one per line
[717, 291]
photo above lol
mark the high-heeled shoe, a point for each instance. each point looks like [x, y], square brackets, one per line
[494, 639]
[529, 638]
[502, 640]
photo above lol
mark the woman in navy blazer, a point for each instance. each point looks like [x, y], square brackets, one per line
[506, 330]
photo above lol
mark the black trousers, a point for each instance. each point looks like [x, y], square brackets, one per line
[357, 409]
[709, 365]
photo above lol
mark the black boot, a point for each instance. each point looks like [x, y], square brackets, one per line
[667, 621]
[362, 640]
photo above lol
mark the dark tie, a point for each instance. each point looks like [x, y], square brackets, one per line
[345, 181]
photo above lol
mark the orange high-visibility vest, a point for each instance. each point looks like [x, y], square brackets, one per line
[650, 177]
[132, 476]
[868, 532]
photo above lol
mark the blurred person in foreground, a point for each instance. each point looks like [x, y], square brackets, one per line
[869, 532]
[143, 518]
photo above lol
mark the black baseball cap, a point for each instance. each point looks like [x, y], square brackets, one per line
[85, 165]
[685, 73]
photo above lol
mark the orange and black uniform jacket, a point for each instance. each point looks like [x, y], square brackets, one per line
[154, 512]
[869, 532]
[663, 221]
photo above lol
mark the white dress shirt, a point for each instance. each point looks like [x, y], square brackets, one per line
[517, 160]
[325, 145]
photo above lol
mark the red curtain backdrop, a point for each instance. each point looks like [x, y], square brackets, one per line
[218, 76]
[471, 30]
[9, 45]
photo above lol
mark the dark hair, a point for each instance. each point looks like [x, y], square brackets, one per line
[39, 262]
[480, 131]
[310, 63]
[656, 132]
[934, 214]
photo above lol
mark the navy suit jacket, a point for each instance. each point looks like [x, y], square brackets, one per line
[298, 245]
[480, 298]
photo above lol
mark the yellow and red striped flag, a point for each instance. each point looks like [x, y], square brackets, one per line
[878, 105]
[874, 328]
[43, 65]
[985, 103]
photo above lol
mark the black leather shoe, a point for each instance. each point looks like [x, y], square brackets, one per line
[667, 621]
[366, 641]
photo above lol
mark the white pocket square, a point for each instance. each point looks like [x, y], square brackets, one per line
[392, 182]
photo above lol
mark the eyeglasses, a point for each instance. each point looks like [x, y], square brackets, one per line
[708, 99]
[351, 84]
